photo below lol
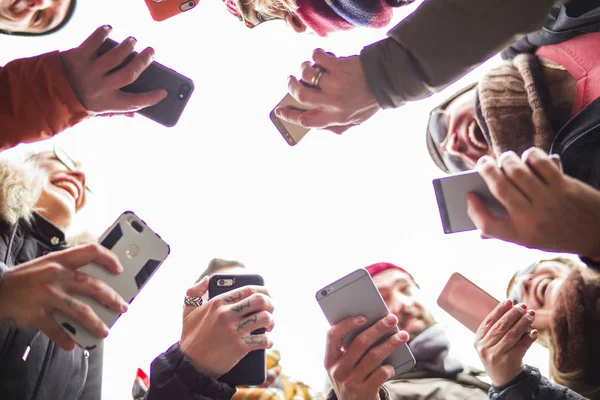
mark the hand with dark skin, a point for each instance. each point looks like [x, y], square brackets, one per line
[218, 334]
[96, 87]
[341, 101]
[547, 210]
[32, 291]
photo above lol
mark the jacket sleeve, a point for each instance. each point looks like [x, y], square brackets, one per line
[530, 384]
[93, 382]
[172, 376]
[36, 100]
[443, 40]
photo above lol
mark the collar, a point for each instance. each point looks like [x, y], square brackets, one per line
[46, 231]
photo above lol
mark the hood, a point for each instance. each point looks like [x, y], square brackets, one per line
[21, 184]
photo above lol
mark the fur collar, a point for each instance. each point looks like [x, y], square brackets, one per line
[21, 184]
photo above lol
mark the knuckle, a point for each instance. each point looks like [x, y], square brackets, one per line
[374, 354]
[337, 375]
[362, 341]
[129, 75]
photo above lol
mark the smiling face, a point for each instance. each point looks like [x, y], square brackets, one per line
[32, 16]
[402, 298]
[465, 138]
[64, 193]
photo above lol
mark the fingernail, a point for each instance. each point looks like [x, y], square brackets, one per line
[523, 306]
[534, 333]
[483, 160]
[105, 328]
[390, 320]
[107, 28]
[124, 307]
[402, 336]
[531, 312]
[360, 320]
[132, 39]
[278, 112]
[507, 302]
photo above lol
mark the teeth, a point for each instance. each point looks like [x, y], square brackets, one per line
[68, 187]
[473, 137]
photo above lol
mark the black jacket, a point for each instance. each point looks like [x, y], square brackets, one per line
[530, 384]
[48, 372]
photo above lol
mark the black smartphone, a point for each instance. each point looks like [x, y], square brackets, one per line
[157, 76]
[252, 369]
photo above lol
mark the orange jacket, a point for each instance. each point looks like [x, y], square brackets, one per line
[36, 100]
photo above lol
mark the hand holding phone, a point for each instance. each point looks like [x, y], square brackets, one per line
[466, 302]
[290, 132]
[140, 251]
[165, 9]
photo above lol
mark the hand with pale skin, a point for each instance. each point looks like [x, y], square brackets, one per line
[32, 291]
[356, 373]
[218, 334]
[96, 87]
[502, 340]
[341, 101]
[546, 209]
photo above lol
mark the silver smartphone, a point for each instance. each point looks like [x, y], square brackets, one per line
[140, 251]
[290, 132]
[356, 295]
[451, 193]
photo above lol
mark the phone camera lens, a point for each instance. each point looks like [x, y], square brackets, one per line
[221, 282]
[137, 226]
[323, 292]
[191, 4]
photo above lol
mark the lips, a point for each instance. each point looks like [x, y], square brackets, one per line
[70, 185]
[475, 136]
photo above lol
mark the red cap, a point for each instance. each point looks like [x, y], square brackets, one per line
[384, 266]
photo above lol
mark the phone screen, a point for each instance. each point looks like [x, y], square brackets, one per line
[466, 302]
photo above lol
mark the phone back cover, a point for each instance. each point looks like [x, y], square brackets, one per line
[252, 369]
[162, 10]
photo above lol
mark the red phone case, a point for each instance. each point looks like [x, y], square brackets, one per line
[162, 10]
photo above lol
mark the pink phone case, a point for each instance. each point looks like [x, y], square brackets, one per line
[466, 302]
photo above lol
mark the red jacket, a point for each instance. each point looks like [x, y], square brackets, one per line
[36, 100]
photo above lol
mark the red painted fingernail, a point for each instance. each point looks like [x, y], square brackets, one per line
[523, 306]
[534, 333]
[531, 312]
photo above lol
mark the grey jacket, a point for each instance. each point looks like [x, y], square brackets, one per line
[530, 384]
[443, 40]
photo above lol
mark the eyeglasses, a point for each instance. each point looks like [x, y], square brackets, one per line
[68, 162]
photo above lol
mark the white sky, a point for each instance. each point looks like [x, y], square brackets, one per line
[223, 183]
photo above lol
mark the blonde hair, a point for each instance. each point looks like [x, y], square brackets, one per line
[272, 6]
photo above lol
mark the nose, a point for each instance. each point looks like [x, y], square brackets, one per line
[454, 145]
[38, 4]
[79, 175]
[399, 304]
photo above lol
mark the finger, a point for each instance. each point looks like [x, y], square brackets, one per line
[375, 356]
[501, 187]
[305, 95]
[335, 336]
[514, 334]
[116, 56]
[325, 60]
[56, 333]
[248, 324]
[521, 176]
[546, 167]
[380, 376]
[525, 343]
[492, 318]
[254, 303]
[91, 45]
[94, 288]
[129, 102]
[487, 222]
[235, 296]
[198, 290]
[79, 256]
[80, 312]
[314, 118]
[504, 324]
[256, 342]
[363, 342]
[543, 318]
[338, 130]
[132, 71]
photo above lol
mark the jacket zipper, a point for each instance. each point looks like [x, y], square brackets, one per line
[11, 331]
[86, 356]
[40, 380]
[8, 341]
[576, 138]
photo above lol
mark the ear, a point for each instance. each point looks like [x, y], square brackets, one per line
[295, 22]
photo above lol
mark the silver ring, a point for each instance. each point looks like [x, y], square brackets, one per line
[193, 301]
[317, 78]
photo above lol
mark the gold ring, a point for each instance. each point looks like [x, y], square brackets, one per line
[317, 78]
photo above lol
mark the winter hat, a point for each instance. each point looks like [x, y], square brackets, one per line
[575, 328]
[63, 23]
[384, 266]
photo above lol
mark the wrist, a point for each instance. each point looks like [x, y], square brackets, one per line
[503, 380]
[198, 364]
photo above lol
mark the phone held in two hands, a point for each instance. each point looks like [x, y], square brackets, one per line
[140, 251]
[179, 88]
[356, 295]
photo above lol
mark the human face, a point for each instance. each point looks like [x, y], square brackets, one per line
[64, 193]
[401, 296]
[252, 18]
[32, 16]
[465, 138]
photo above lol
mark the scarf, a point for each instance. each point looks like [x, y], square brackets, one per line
[513, 106]
[431, 348]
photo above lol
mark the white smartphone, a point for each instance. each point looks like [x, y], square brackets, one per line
[140, 251]
[466, 302]
[290, 132]
[356, 295]
[451, 193]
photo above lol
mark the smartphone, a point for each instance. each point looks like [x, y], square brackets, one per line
[356, 295]
[140, 251]
[165, 9]
[290, 132]
[157, 76]
[252, 369]
[466, 302]
[451, 192]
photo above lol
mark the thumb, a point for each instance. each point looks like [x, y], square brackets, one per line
[490, 225]
[524, 344]
[198, 290]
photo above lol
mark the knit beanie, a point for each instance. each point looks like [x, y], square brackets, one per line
[384, 266]
[63, 23]
[512, 106]
[575, 328]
